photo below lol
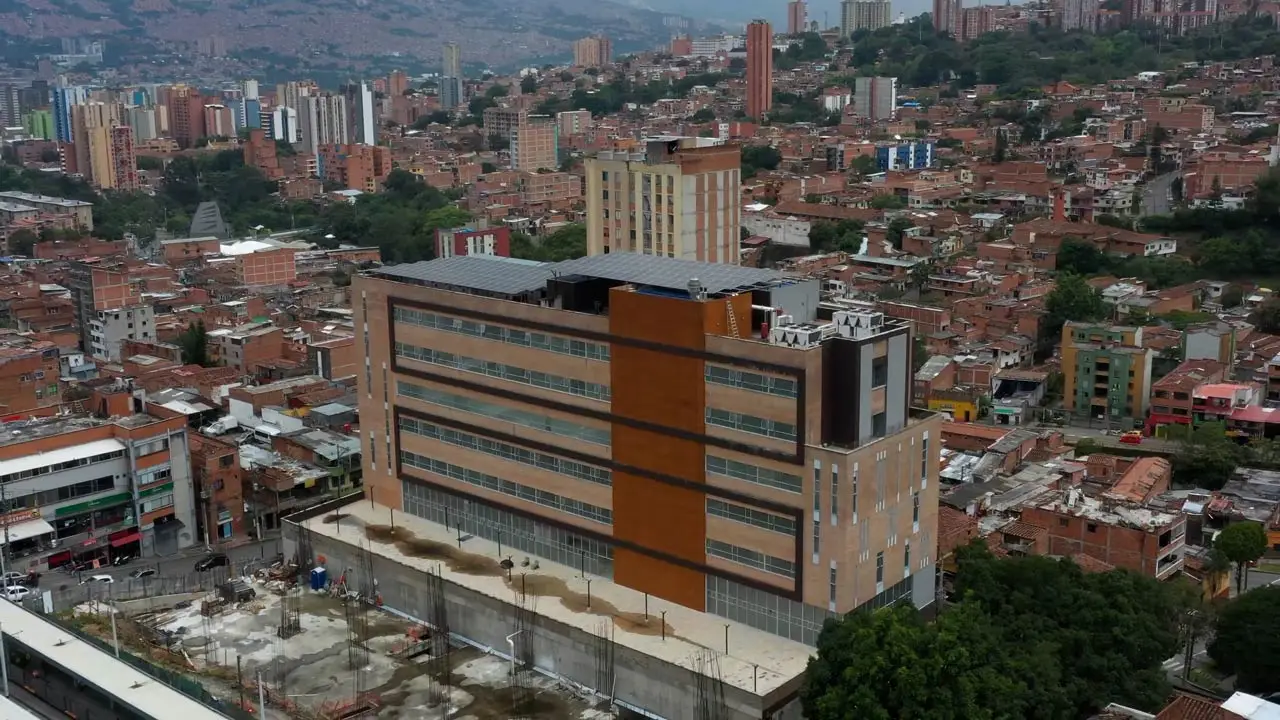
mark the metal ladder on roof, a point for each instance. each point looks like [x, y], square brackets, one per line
[733, 320]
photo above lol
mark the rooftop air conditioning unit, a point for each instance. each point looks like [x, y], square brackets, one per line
[800, 337]
[858, 325]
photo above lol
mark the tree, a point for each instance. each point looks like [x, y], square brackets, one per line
[1072, 299]
[864, 165]
[888, 201]
[194, 344]
[1206, 457]
[1267, 317]
[1242, 543]
[1232, 296]
[1246, 641]
[1028, 637]
[705, 114]
[1080, 257]
[529, 83]
[897, 230]
[22, 242]
[488, 167]
[759, 157]
[498, 142]
[1002, 144]
[567, 243]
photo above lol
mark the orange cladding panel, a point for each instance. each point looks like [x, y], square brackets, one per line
[667, 389]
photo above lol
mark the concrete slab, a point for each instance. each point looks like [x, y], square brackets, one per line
[756, 662]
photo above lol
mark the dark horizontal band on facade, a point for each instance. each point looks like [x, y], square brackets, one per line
[795, 593]
[739, 497]
[797, 456]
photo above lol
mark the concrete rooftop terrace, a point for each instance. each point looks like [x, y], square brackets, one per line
[757, 662]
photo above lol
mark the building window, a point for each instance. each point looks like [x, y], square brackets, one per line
[511, 373]
[508, 488]
[541, 461]
[755, 382]
[511, 336]
[750, 516]
[880, 372]
[751, 424]
[831, 588]
[751, 558]
[817, 489]
[915, 512]
[835, 494]
[906, 558]
[754, 474]
[505, 413]
[853, 493]
[817, 540]
[1093, 527]
[924, 461]
[517, 531]
[879, 570]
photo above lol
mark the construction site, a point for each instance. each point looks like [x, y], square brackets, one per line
[630, 654]
[285, 643]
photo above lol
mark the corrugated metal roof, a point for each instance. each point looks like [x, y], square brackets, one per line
[665, 272]
[500, 276]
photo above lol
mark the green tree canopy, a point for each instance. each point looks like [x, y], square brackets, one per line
[1031, 637]
[1246, 641]
[567, 243]
[1072, 299]
[194, 344]
[1242, 543]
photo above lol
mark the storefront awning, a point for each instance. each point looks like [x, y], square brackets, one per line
[126, 539]
[24, 530]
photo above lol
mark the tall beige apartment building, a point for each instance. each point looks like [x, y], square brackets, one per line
[858, 15]
[593, 51]
[678, 198]
[102, 146]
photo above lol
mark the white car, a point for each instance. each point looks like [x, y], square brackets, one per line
[16, 593]
[98, 580]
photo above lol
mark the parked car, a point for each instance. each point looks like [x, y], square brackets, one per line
[211, 561]
[143, 573]
[16, 593]
[98, 580]
[1133, 437]
[14, 578]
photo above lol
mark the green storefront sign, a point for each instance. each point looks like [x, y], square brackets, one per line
[101, 502]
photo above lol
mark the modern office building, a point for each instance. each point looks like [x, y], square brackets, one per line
[759, 69]
[64, 98]
[452, 60]
[677, 198]
[1106, 371]
[284, 125]
[82, 488]
[688, 430]
[875, 98]
[360, 113]
[858, 15]
[797, 17]
[451, 93]
[323, 121]
[595, 51]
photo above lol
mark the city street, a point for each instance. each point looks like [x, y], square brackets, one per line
[171, 569]
[1155, 195]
